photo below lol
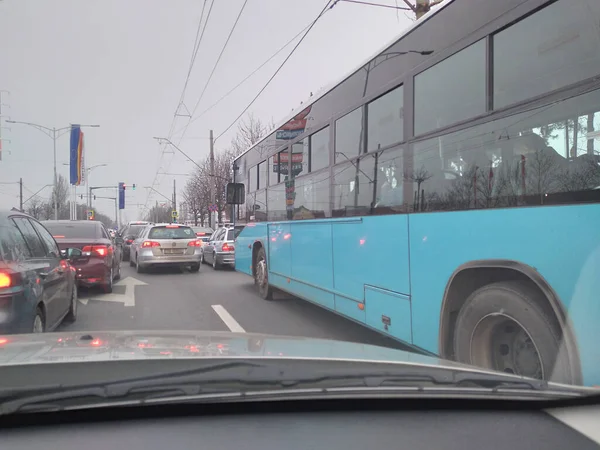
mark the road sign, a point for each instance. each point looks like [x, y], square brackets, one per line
[90, 214]
[174, 214]
[213, 208]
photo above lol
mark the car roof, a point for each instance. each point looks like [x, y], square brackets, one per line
[84, 223]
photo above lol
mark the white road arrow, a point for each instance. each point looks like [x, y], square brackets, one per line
[128, 298]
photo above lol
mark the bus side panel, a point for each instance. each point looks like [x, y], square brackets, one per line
[373, 251]
[280, 249]
[243, 246]
[312, 261]
[561, 242]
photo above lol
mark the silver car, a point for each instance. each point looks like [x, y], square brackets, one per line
[166, 244]
[220, 249]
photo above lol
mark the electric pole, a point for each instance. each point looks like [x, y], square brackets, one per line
[174, 196]
[21, 194]
[212, 176]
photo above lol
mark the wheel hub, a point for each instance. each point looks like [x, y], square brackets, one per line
[500, 343]
[261, 273]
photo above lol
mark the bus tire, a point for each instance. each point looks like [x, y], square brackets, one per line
[504, 326]
[261, 275]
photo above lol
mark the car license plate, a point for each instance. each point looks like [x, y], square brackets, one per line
[173, 251]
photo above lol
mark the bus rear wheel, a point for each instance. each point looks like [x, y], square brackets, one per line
[504, 327]
[261, 275]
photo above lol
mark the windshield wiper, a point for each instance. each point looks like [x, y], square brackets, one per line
[241, 376]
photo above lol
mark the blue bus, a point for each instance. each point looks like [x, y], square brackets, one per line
[446, 193]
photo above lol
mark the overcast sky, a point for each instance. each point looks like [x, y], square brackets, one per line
[122, 64]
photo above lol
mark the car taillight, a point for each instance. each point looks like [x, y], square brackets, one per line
[9, 279]
[197, 243]
[147, 244]
[129, 241]
[97, 250]
[227, 247]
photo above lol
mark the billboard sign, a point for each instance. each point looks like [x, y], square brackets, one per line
[76, 156]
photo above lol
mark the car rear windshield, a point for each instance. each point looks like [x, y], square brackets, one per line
[232, 234]
[134, 230]
[171, 232]
[73, 230]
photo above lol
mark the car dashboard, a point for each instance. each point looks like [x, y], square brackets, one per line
[347, 425]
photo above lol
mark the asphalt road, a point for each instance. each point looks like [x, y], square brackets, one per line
[222, 300]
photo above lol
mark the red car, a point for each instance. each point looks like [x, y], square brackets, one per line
[95, 256]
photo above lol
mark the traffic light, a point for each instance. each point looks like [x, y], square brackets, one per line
[94, 196]
[133, 186]
[121, 195]
[81, 197]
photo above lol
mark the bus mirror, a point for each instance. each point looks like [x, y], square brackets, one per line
[236, 193]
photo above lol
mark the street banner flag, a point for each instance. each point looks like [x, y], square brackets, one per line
[76, 155]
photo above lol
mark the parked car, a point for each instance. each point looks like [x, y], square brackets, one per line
[37, 284]
[220, 248]
[95, 256]
[129, 233]
[203, 233]
[166, 244]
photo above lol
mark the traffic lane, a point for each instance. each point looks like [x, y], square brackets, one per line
[180, 300]
[285, 315]
[171, 300]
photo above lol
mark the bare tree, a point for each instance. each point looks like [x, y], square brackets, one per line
[61, 194]
[35, 207]
[249, 132]
[418, 176]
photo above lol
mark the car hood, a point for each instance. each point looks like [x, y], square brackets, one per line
[143, 345]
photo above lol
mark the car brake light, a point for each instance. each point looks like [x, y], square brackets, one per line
[172, 226]
[97, 250]
[197, 243]
[5, 280]
[200, 234]
[8, 279]
[129, 241]
[58, 237]
[227, 248]
[147, 244]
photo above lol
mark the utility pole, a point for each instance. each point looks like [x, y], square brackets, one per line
[212, 176]
[21, 194]
[174, 196]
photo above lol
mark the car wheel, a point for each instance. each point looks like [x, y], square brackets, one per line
[195, 267]
[108, 286]
[131, 263]
[72, 314]
[503, 327]
[118, 275]
[261, 276]
[202, 258]
[39, 325]
[127, 257]
[215, 264]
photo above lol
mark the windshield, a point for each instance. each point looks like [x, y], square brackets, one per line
[134, 230]
[171, 232]
[72, 231]
[414, 183]
[232, 234]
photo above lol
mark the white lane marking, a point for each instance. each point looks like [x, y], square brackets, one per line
[128, 298]
[228, 319]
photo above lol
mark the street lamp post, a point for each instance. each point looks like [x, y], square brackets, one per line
[53, 133]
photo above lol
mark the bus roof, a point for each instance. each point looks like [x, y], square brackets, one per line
[328, 88]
